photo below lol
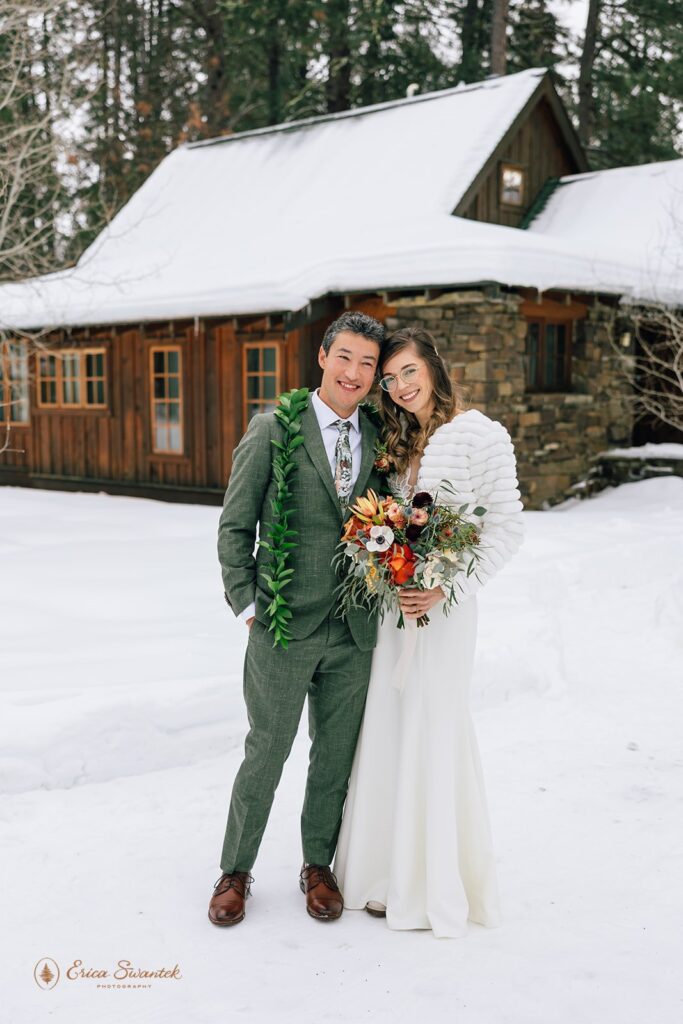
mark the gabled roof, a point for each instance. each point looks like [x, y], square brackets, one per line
[268, 220]
[545, 90]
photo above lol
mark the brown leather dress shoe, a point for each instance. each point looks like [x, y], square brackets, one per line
[323, 898]
[230, 893]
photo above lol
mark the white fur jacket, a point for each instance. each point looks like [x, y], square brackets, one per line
[475, 454]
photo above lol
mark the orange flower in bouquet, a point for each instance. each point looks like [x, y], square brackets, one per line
[401, 562]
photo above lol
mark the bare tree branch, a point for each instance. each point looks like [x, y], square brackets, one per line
[650, 353]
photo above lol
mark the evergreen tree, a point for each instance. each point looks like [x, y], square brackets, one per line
[109, 87]
[396, 47]
[638, 76]
[537, 39]
[272, 48]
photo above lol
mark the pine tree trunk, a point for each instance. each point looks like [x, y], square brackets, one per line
[274, 58]
[586, 111]
[499, 37]
[218, 100]
[339, 56]
[469, 62]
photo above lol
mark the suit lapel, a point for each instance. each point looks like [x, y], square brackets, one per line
[368, 436]
[313, 443]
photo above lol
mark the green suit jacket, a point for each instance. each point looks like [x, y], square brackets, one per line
[318, 520]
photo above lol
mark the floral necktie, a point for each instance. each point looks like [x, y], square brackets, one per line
[343, 462]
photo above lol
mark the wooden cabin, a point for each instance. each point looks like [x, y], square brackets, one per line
[155, 409]
[209, 293]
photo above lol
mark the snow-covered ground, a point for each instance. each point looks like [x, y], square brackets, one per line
[122, 723]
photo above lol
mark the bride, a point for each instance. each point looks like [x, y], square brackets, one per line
[415, 842]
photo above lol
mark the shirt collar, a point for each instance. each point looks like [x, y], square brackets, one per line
[326, 416]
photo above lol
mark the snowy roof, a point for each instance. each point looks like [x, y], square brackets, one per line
[266, 221]
[632, 216]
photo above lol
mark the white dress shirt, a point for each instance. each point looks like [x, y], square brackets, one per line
[326, 417]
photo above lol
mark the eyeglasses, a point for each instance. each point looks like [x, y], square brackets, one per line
[389, 383]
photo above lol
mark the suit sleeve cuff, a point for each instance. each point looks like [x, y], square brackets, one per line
[249, 612]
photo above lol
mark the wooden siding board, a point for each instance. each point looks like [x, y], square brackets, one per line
[54, 453]
[140, 411]
[85, 435]
[200, 462]
[104, 433]
[211, 376]
[41, 425]
[291, 372]
[231, 396]
[127, 430]
[116, 385]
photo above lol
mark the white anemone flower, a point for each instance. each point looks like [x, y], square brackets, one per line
[381, 538]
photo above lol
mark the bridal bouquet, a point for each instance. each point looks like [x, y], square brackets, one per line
[399, 542]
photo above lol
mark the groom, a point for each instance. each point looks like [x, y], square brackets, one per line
[327, 660]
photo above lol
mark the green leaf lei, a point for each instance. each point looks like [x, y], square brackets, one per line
[281, 536]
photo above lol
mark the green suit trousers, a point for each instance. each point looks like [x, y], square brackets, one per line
[329, 669]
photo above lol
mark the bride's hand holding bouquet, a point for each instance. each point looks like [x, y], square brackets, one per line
[405, 554]
[416, 603]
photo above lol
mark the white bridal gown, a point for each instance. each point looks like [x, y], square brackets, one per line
[415, 834]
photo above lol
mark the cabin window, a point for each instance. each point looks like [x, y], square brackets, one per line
[548, 355]
[13, 383]
[260, 378]
[47, 380]
[72, 379]
[167, 399]
[512, 185]
[94, 377]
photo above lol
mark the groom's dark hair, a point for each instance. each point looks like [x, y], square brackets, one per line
[356, 323]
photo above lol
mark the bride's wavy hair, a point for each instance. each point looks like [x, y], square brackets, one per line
[404, 437]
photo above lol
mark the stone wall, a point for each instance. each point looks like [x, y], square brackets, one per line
[482, 338]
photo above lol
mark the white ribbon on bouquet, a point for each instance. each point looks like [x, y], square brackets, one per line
[408, 643]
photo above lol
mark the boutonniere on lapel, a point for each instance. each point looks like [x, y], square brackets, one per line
[280, 540]
[382, 462]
